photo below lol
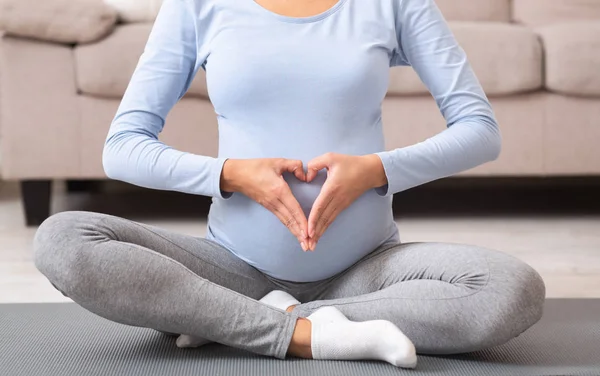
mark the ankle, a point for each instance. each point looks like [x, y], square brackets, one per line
[291, 308]
[300, 345]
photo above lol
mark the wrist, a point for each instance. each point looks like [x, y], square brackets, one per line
[375, 171]
[228, 176]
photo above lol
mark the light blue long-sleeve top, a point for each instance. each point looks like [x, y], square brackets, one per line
[298, 88]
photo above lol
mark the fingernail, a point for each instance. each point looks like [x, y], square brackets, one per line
[303, 246]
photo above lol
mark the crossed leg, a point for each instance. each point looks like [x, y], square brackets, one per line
[141, 275]
[447, 298]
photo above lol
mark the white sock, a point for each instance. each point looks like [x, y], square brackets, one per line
[334, 337]
[276, 298]
[279, 299]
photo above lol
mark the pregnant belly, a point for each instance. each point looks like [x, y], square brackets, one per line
[257, 236]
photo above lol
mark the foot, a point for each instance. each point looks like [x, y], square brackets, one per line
[277, 298]
[335, 337]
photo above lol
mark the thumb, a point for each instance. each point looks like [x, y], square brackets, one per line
[317, 164]
[295, 167]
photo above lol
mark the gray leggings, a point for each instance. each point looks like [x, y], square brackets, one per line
[447, 298]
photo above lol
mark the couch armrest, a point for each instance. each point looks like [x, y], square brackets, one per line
[39, 110]
[62, 21]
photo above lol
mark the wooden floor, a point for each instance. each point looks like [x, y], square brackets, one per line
[562, 242]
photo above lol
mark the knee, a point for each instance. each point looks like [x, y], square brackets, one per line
[524, 294]
[49, 236]
[529, 299]
[56, 246]
[516, 302]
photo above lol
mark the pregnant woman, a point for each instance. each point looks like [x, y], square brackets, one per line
[302, 255]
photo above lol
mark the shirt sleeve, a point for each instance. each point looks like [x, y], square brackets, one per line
[472, 137]
[132, 151]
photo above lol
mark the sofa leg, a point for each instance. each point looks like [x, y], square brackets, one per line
[36, 200]
[88, 186]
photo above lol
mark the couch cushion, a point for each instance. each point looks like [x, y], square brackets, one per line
[475, 10]
[521, 119]
[543, 12]
[190, 127]
[63, 21]
[105, 68]
[571, 134]
[506, 58]
[573, 57]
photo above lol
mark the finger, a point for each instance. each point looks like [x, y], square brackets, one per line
[317, 164]
[311, 245]
[288, 220]
[324, 221]
[327, 217]
[276, 206]
[294, 166]
[319, 206]
[288, 200]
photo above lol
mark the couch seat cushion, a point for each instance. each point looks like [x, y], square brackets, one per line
[475, 10]
[544, 12]
[105, 68]
[573, 57]
[506, 58]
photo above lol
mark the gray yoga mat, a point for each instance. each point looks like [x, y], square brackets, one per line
[62, 339]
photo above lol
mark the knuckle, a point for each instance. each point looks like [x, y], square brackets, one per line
[288, 222]
[276, 189]
[267, 203]
[323, 219]
[278, 163]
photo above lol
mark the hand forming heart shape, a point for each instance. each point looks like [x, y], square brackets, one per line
[348, 177]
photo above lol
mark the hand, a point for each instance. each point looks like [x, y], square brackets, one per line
[348, 177]
[262, 181]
